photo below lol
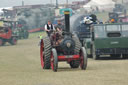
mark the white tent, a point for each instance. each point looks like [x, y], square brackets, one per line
[99, 5]
[91, 3]
[9, 8]
[104, 2]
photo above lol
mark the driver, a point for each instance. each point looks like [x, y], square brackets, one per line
[49, 28]
[59, 27]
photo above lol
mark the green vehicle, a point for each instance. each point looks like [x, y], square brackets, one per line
[108, 39]
[17, 29]
[21, 32]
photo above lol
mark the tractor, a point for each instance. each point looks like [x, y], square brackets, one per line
[22, 32]
[119, 14]
[63, 46]
[6, 34]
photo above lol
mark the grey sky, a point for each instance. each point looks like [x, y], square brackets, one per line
[9, 3]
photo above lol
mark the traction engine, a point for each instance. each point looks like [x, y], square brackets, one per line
[62, 46]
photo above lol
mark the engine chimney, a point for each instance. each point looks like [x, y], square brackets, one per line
[67, 21]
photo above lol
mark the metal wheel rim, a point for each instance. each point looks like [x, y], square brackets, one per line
[52, 61]
[82, 60]
[83, 63]
[42, 55]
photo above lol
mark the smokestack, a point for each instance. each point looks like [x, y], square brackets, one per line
[22, 3]
[67, 3]
[56, 4]
[67, 21]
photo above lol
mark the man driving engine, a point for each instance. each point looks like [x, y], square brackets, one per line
[49, 28]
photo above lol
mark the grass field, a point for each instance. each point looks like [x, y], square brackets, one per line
[20, 65]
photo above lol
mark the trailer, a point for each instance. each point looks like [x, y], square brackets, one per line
[108, 39]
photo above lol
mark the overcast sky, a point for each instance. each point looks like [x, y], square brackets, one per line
[9, 3]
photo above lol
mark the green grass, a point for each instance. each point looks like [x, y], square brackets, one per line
[20, 65]
[36, 34]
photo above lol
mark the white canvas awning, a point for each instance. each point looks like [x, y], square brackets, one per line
[9, 8]
[91, 3]
[100, 4]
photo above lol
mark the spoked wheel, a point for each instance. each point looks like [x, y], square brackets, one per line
[54, 60]
[1, 42]
[45, 53]
[13, 41]
[41, 54]
[83, 59]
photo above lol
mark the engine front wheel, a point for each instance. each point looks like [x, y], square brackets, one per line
[74, 64]
[83, 59]
[54, 60]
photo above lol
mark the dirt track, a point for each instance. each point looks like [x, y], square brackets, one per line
[20, 65]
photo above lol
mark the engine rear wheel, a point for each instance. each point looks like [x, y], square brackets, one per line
[45, 53]
[74, 64]
[83, 59]
[77, 45]
[54, 60]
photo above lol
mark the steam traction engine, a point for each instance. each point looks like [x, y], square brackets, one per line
[63, 46]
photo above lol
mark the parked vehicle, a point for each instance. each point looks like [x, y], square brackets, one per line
[6, 32]
[108, 39]
[7, 36]
[22, 32]
[119, 14]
